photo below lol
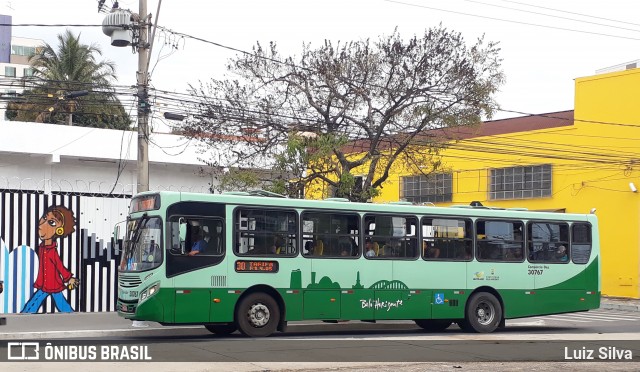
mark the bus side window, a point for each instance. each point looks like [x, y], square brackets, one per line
[580, 243]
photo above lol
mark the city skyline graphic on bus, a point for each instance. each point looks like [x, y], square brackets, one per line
[327, 283]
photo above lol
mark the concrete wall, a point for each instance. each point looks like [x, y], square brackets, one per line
[45, 165]
[47, 157]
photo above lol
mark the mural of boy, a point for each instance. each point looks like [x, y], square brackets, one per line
[56, 222]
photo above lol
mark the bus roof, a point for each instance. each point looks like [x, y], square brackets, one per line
[240, 198]
[340, 204]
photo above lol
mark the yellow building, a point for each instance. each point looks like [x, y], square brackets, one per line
[570, 161]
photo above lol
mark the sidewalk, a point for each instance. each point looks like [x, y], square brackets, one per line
[618, 303]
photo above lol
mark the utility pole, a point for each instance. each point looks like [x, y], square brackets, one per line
[119, 25]
[143, 94]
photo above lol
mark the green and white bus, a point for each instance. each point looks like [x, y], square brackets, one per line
[263, 261]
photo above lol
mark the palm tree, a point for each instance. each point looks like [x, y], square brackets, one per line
[72, 66]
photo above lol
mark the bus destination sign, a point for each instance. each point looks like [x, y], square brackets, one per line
[245, 266]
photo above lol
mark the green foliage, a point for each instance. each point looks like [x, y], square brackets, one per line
[238, 180]
[71, 67]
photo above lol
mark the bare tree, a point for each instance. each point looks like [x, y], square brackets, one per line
[346, 109]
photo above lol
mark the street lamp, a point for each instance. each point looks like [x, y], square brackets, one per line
[172, 116]
[72, 104]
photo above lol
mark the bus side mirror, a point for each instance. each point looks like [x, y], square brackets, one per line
[182, 228]
[116, 236]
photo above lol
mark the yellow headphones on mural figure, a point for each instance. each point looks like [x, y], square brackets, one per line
[60, 230]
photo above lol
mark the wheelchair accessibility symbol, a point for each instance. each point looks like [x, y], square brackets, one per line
[438, 298]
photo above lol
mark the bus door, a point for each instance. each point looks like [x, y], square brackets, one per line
[195, 243]
[447, 249]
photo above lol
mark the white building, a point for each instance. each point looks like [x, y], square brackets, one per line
[15, 70]
[60, 158]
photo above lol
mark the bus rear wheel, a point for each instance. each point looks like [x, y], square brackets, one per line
[433, 325]
[483, 314]
[257, 315]
[221, 329]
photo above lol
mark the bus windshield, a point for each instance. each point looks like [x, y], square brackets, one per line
[142, 245]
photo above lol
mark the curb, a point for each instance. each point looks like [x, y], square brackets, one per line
[621, 307]
[185, 331]
[51, 335]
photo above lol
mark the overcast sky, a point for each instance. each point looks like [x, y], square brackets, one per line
[540, 63]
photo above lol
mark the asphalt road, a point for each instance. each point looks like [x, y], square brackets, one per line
[539, 343]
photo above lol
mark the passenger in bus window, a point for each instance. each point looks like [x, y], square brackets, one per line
[561, 254]
[277, 246]
[309, 246]
[347, 246]
[468, 255]
[368, 248]
[386, 250]
[430, 250]
[199, 242]
[513, 255]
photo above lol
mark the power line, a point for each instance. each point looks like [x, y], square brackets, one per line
[511, 21]
[294, 65]
[568, 12]
[574, 119]
[54, 25]
[234, 49]
[551, 15]
[242, 118]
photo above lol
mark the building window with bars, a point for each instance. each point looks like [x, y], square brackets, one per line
[520, 182]
[434, 188]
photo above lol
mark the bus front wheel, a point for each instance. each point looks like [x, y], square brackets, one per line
[483, 314]
[221, 329]
[257, 315]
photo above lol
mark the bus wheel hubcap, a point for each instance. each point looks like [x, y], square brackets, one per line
[259, 315]
[484, 313]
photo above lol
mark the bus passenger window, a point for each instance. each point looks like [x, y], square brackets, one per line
[580, 243]
[330, 235]
[262, 232]
[392, 236]
[446, 238]
[503, 240]
[548, 242]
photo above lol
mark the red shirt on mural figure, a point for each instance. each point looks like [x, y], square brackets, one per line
[56, 222]
[56, 274]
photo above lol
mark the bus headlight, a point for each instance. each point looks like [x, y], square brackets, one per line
[150, 291]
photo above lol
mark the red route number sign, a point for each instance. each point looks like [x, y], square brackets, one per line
[246, 266]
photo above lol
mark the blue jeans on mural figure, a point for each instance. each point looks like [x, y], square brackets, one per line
[36, 300]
